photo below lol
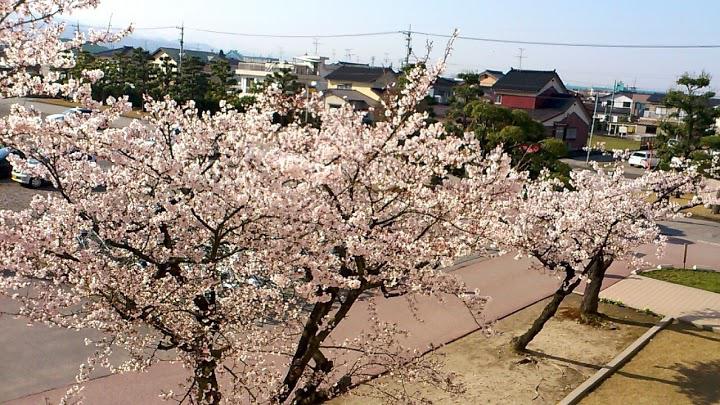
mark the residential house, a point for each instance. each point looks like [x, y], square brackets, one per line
[442, 90]
[360, 85]
[546, 99]
[654, 113]
[172, 56]
[488, 78]
[251, 70]
[620, 111]
[111, 53]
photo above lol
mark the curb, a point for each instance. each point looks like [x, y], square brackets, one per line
[607, 370]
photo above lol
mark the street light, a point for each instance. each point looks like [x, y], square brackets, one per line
[312, 85]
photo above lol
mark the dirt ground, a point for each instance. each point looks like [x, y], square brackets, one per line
[681, 365]
[564, 355]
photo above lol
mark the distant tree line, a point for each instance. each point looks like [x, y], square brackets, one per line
[135, 75]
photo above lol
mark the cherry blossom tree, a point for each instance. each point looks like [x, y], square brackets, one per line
[237, 246]
[577, 231]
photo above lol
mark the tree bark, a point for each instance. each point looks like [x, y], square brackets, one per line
[208, 391]
[591, 297]
[520, 343]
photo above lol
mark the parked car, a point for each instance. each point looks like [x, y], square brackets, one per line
[5, 166]
[25, 178]
[77, 110]
[643, 158]
[36, 182]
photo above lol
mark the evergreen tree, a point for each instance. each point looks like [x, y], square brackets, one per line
[221, 82]
[691, 104]
[192, 82]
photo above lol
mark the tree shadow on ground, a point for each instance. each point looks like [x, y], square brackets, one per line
[699, 381]
[542, 355]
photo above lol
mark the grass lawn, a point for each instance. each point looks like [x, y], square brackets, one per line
[612, 142]
[702, 279]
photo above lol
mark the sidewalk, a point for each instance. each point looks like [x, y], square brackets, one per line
[702, 308]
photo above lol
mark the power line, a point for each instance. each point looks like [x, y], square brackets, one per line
[246, 34]
[573, 44]
[431, 34]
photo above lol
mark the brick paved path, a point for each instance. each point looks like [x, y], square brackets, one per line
[700, 307]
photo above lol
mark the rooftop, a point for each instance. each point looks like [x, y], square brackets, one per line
[352, 73]
[174, 53]
[530, 81]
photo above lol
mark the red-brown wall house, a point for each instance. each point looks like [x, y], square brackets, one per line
[574, 121]
[513, 101]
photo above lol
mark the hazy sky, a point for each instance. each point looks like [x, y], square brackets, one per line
[608, 21]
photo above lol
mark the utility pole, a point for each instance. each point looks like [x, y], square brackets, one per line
[408, 41]
[372, 61]
[520, 58]
[611, 103]
[348, 54]
[182, 45]
[592, 130]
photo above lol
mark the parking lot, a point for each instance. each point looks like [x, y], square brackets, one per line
[15, 197]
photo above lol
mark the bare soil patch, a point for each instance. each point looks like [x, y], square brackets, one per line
[564, 355]
[681, 365]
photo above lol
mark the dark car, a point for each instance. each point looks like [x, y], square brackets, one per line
[5, 166]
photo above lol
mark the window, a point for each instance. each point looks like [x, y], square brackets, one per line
[571, 134]
[660, 110]
[626, 104]
[498, 99]
[344, 86]
[560, 132]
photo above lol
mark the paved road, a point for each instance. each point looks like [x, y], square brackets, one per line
[578, 163]
[47, 109]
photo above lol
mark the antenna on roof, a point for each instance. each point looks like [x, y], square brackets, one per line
[521, 57]
[316, 43]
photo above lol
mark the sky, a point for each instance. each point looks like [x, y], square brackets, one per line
[669, 22]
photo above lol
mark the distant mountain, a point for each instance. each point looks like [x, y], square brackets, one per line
[138, 41]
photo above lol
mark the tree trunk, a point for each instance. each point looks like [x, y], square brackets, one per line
[591, 297]
[520, 343]
[208, 391]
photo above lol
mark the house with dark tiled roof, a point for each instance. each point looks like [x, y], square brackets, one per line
[543, 95]
[360, 85]
[442, 90]
[111, 53]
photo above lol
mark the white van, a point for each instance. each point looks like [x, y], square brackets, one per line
[643, 158]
